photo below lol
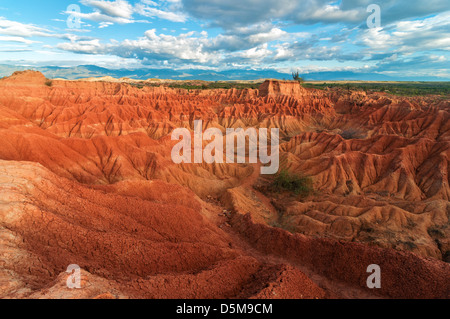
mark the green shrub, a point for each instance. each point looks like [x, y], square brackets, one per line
[298, 184]
[398, 88]
[296, 76]
[49, 82]
[436, 232]
[352, 133]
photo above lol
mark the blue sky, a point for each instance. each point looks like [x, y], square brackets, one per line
[411, 40]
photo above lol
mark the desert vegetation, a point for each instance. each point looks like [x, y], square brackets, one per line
[201, 85]
[292, 182]
[395, 88]
[296, 76]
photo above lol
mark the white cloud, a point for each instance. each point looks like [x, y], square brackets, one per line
[90, 47]
[121, 11]
[97, 16]
[257, 34]
[104, 25]
[24, 30]
[152, 46]
[17, 39]
[117, 9]
[233, 13]
[162, 14]
[410, 36]
[378, 39]
[18, 29]
[273, 34]
[257, 53]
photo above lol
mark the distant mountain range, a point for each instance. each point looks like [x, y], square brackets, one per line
[86, 71]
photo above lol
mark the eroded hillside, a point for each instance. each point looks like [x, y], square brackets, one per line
[86, 177]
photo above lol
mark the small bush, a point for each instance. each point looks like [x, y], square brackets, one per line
[300, 185]
[288, 227]
[409, 245]
[296, 76]
[351, 133]
[366, 227]
[436, 232]
[49, 82]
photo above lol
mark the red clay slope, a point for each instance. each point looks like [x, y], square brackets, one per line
[86, 178]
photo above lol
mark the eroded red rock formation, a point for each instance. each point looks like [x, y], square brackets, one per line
[86, 178]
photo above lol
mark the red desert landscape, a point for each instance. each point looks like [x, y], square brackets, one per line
[86, 178]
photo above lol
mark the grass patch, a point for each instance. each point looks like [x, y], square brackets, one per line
[366, 227]
[409, 245]
[278, 224]
[352, 133]
[436, 232]
[297, 184]
[395, 88]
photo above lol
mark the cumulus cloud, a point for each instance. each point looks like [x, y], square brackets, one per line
[418, 47]
[313, 48]
[184, 47]
[122, 11]
[25, 30]
[99, 16]
[167, 10]
[14, 28]
[410, 36]
[89, 47]
[419, 65]
[251, 46]
[244, 12]
[232, 13]
[238, 13]
[256, 54]
[248, 37]
[252, 33]
[268, 44]
[396, 10]
[17, 39]
[273, 34]
[166, 15]
[117, 8]
[103, 25]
